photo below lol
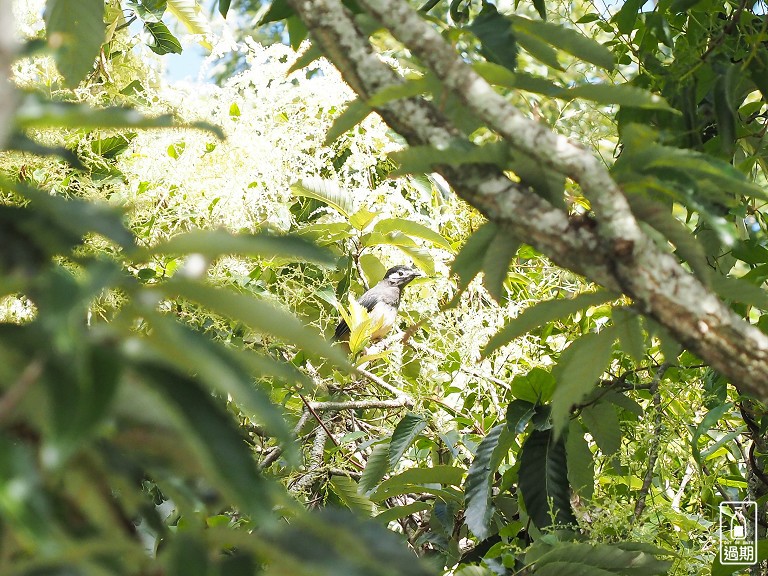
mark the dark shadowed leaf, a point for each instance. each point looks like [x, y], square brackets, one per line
[544, 479]
[541, 313]
[630, 331]
[477, 489]
[496, 37]
[347, 491]
[75, 30]
[469, 261]
[406, 431]
[496, 263]
[578, 371]
[603, 424]
[707, 423]
[519, 413]
[583, 559]
[581, 465]
[375, 468]
[355, 112]
[163, 42]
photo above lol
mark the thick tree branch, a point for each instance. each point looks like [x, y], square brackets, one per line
[618, 255]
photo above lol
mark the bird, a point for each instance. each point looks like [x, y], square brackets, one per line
[382, 301]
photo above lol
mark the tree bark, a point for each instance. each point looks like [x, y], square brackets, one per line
[616, 253]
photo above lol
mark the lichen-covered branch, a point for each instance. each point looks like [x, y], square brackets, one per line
[617, 254]
[8, 53]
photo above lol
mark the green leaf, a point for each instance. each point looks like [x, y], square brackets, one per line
[630, 332]
[224, 7]
[190, 15]
[347, 491]
[469, 261]
[519, 413]
[163, 42]
[578, 370]
[212, 431]
[659, 216]
[496, 38]
[355, 112]
[440, 474]
[35, 112]
[257, 314]
[725, 110]
[712, 417]
[278, 10]
[75, 31]
[537, 48]
[421, 257]
[582, 559]
[603, 424]
[325, 191]
[477, 489]
[406, 431]
[496, 263]
[215, 243]
[407, 89]
[568, 40]
[413, 229]
[581, 464]
[151, 10]
[536, 387]
[541, 8]
[739, 290]
[619, 94]
[111, 146]
[223, 370]
[626, 17]
[544, 479]
[401, 512]
[375, 468]
[305, 59]
[424, 159]
[186, 555]
[541, 313]
[372, 268]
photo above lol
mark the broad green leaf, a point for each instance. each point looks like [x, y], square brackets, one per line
[407, 89]
[544, 479]
[440, 474]
[215, 243]
[536, 387]
[578, 370]
[738, 290]
[413, 229]
[76, 217]
[278, 10]
[396, 512]
[190, 15]
[680, 6]
[469, 261]
[347, 491]
[584, 559]
[424, 159]
[362, 218]
[496, 263]
[541, 8]
[619, 94]
[725, 109]
[626, 17]
[545, 182]
[111, 146]
[213, 432]
[519, 413]
[603, 424]
[496, 37]
[224, 7]
[372, 268]
[297, 31]
[536, 47]
[151, 10]
[712, 417]
[309, 55]
[325, 191]
[390, 490]
[630, 332]
[75, 30]
[221, 369]
[477, 488]
[186, 555]
[257, 314]
[568, 40]
[581, 465]
[163, 42]
[406, 431]
[375, 468]
[34, 112]
[421, 257]
[355, 112]
[541, 313]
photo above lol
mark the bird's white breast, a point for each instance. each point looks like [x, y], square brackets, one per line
[387, 315]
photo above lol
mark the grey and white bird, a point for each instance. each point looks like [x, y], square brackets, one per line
[382, 301]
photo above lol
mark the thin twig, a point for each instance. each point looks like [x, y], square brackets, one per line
[359, 404]
[407, 400]
[655, 442]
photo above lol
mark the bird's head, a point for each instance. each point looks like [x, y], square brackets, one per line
[400, 275]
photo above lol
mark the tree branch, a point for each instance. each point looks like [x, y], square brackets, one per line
[618, 255]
